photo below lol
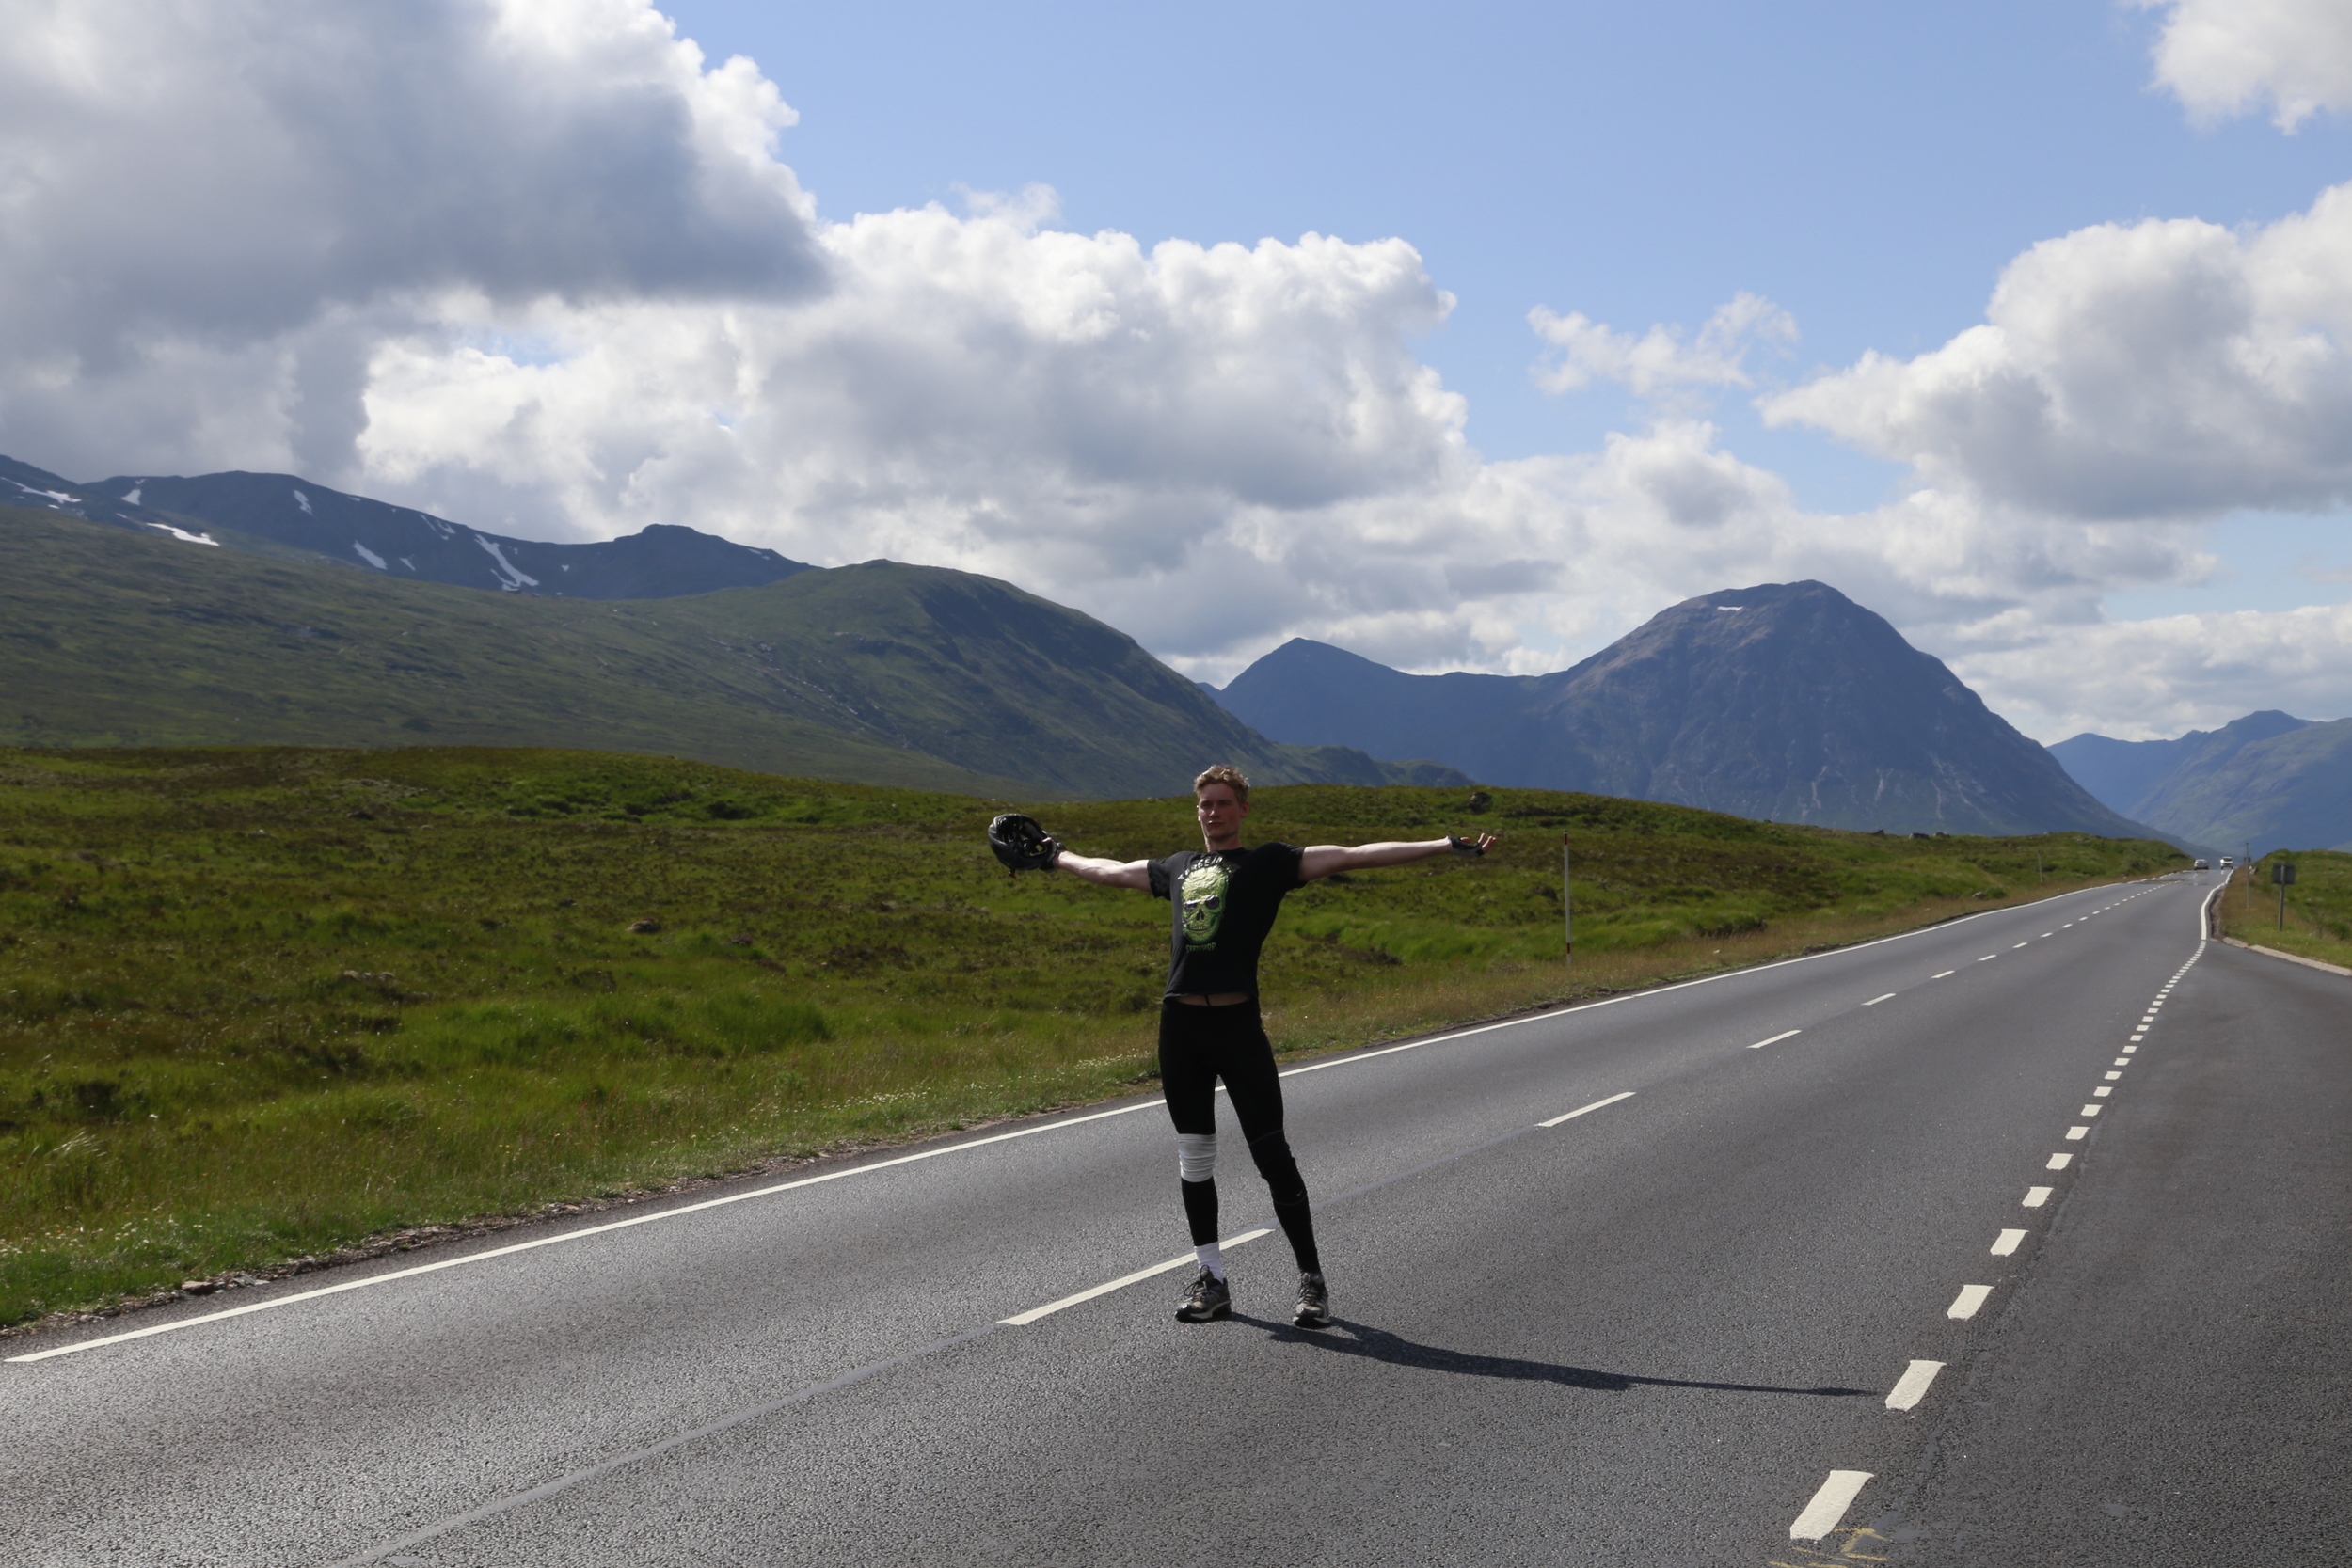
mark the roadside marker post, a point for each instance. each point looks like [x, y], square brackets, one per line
[1567, 903]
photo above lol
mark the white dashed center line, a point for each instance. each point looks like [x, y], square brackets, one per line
[1582, 1109]
[1970, 1298]
[2111, 1077]
[1023, 1318]
[1945, 976]
[1876, 1000]
[2037, 1197]
[1912, 1387]
[2015, 945]
[1988, 957]
[1828, 1505]
[2090, 1111]
[2006, 1243]
[2075, 1134]
[2059, 1161]
[1783, 1035]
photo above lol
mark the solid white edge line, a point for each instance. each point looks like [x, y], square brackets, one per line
[1783, 1035]
[1912, 1387]
[952, 1148]
[2037, 1197]
[1971, 1298]
[1582, 1109]
[2006, 1242]
[571, 1235]
[1022, 1320]
[1828, 1505]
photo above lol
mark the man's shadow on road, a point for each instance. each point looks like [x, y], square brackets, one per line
[1346, 1338]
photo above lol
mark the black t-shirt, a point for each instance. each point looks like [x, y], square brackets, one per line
[1223, 905]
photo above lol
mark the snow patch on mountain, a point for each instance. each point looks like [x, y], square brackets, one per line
[515, 580]
[365, 554]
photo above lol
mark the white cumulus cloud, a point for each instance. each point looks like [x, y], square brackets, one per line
[1662, 359]
[2143, 680]
[2163, 369]
[208, 214]
[2224, 58]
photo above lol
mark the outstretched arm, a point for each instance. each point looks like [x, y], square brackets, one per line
[1135, 874]
[1321, 860]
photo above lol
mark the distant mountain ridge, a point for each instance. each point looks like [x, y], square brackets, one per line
[2124, 773]
[283, 513]
[1782, 701]
[883, 673]
[2268, 779]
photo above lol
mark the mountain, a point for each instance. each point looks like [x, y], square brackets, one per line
[2268, 779]
[2122, 774]
[283, 513]
[880, 674]
[1784, 701]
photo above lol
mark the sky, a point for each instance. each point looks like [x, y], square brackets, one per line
[1463, 340]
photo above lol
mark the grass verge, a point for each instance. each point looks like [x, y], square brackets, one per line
[2316, 919]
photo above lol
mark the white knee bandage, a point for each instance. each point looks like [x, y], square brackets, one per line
[1196, 1155]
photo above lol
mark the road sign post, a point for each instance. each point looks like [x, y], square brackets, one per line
[2282, 873]
[1567, 904]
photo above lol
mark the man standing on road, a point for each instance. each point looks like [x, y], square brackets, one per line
[1224, 899]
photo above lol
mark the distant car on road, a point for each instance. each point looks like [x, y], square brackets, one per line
[2201, 866]
[2227, 863]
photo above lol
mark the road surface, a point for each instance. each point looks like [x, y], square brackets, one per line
[2022, 1238]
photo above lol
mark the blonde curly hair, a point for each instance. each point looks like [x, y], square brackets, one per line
[1226, 774]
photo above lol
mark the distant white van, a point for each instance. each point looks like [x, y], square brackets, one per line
[2227, 863]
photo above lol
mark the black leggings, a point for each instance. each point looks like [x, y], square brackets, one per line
[1200, 1045]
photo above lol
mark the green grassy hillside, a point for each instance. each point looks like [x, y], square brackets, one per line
[2316, 920]
[255, 1004]
[889, 675]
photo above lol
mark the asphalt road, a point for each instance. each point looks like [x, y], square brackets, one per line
[2067, 1182]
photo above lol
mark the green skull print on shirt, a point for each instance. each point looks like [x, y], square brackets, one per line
[1204, 893]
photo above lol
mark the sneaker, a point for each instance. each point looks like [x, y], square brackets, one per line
[1208, 1298]
[1314, 1302]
